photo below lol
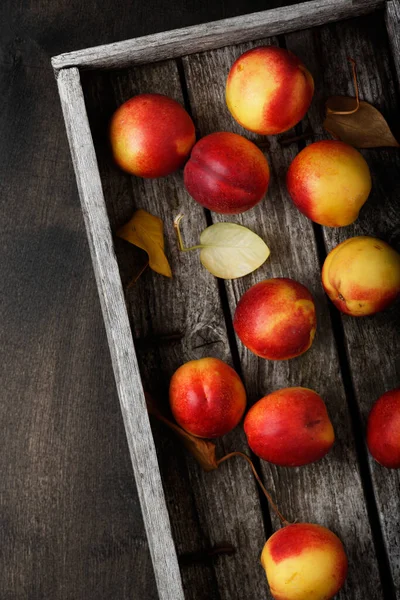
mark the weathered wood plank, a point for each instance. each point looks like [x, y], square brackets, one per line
[373, 345]
[392, 20]
[119, 335]
[199, 38]
[329, 492]
[205, 508]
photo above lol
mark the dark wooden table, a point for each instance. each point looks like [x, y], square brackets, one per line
[70, 525]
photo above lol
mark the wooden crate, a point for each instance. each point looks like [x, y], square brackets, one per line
[352, 361]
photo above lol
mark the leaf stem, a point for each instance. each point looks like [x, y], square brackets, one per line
[356, 90]
[260, 483]
[177, 228]
[138, 274]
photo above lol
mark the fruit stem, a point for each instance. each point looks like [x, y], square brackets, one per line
[177, 228]
[260, 483]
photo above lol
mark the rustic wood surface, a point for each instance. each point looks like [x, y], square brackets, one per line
[214, 35]
[70, 522]
[330, 491]
[371, 345]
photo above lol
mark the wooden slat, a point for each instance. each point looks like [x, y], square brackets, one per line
[392, 20]
[329, 492]
[119, 335]
[199, 38]
[372, 343]
[205, 508]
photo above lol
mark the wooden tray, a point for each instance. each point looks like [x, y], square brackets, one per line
[352, 361]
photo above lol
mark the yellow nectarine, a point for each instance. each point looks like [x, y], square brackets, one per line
[362, 276]
[329, 182]
[304, 562]
[268, 90]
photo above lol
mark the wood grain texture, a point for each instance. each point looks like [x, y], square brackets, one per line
[205, 508]
[329, 492]
[130, 391]
[214, 35]
[372, 343]
[392, 20]
[70, 521]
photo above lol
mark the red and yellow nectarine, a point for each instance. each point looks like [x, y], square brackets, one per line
[329, 182]
[383, 431]
[289, 427]
[207, 397]
[362, 276]
[268, 90]
[276, 319]
[226, 173]
[304, 562]
[151, 135]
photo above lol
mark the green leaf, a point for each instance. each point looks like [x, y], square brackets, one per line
[229, 250]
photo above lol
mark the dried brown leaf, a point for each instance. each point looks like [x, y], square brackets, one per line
[202, 450]
[356, 122]
[365, 128]
[147, 232]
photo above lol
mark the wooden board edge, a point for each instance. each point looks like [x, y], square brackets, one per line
[392, 20]
[208, 36]
[126, 371]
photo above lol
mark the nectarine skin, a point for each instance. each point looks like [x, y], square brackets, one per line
[151, 135]
[304, 562]
[289, 427]
[226, 173]
[276, 319]
[383, 431]
[362, 276]
[207, 397]
[329, 181]
[268, 90]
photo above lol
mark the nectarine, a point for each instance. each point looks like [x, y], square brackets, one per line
[383, 431]
[151, 135]
[207, 397]
[362, 276]
[268, 90]
[329, 182]
[226, 173]
[289, 427]
[276, 319]
[304, 562]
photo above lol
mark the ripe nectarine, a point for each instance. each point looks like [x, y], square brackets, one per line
[329, 182]
[276, 319]
[207, 397]
[151, 135]
[226, 173]
[268, 90]
[362, 276]
[304, 562]
[290, 427]
[383, 431]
